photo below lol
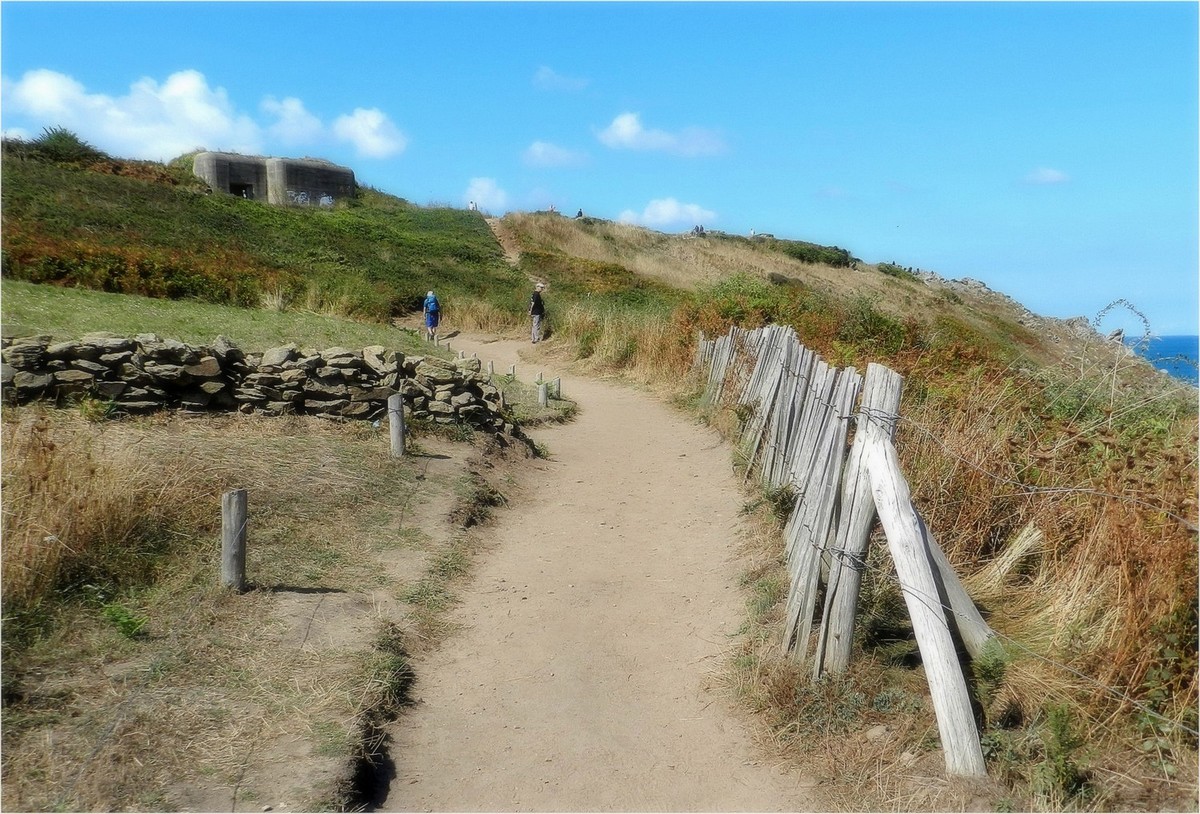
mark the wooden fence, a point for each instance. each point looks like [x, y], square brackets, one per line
[797, 412]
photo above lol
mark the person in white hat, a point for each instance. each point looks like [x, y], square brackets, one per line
[537, 310]
[432, 311]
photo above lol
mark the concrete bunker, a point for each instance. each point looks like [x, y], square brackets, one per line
[295, 181]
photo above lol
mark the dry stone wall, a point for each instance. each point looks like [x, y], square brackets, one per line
[146, 373]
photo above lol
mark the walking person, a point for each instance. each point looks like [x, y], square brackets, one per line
[432, 311]
[537, 310]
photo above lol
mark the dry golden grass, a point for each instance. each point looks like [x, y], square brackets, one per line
[76, 507]
[222, 700]
[477, 315]
[679, 261]
[643, 346]
[1082, 530]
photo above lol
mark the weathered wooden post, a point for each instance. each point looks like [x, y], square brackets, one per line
[396, 423]
[543, 395]
[491, 368]
[972, 629]
[462, 354]
[877, 415]
[558, 387]
[233, 539]
[512, 371]
[910, 551]
[816, 470]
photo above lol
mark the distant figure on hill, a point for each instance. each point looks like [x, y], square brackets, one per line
[579, 214]
[537, 310]
[471, 207]
[432, 310]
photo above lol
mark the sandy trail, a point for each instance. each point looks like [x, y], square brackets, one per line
[581, 677]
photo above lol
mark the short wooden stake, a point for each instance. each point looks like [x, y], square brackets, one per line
[396, 423]
[512, 371]
[543, 395]
[233, 540]
[491, 367]
[558, 387]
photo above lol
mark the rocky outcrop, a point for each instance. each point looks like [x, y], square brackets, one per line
[146, 373]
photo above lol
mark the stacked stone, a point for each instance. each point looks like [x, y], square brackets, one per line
[138, 374]
[449, 392]
[148, 373]
[333, 382]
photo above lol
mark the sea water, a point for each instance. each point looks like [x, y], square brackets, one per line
[1177, 355]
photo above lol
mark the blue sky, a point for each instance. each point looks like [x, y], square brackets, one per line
[1047, 149]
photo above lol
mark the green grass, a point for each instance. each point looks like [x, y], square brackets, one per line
[68, 313]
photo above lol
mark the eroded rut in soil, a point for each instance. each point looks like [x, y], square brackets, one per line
[582, 676]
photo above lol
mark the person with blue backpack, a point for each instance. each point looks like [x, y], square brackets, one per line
[432, 311]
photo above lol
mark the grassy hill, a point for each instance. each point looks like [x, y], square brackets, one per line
[163, 237]
[1016, 428]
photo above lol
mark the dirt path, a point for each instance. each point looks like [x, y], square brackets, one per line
[512, 253]
[591, 631]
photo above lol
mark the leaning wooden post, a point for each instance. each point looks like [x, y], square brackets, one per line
[233, 540]
[972, 629]
[914, 567]
[543, 395]
[396, 423]
[558, 387]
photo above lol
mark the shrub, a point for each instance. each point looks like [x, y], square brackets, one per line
[894, 270]
[60, 145]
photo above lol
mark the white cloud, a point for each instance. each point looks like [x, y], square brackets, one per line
[545, 78]
[627, 133]
[371, 133]
[293, 123]
[487, 195]
[545, 154]
[153, 121]
[44, 93]
[1046, 175]
[662, 212]
[159, 121]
